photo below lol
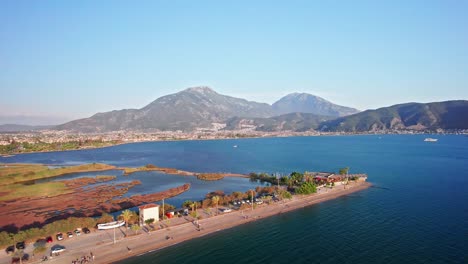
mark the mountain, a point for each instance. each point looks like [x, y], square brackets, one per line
[200, 107]
[21, 128]
[414, 116]
[185, 110]
[292, 122]
[307, 103]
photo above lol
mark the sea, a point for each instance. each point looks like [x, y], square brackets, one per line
[415, 212]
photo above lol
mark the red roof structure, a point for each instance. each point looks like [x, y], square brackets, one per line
[147, 206]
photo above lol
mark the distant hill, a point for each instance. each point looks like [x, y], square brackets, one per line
[414, 116]
[21, 128]
[307, 103]
[292, 122]
[200, 107]
[185, 110]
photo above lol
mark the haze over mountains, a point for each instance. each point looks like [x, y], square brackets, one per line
[203, 108]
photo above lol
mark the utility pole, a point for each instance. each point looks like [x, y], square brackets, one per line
[163, 210]
[277, 178]
[251, 198]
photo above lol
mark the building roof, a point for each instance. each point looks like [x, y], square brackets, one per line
[148, 206]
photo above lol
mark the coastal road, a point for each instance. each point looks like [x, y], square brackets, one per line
[105, 251]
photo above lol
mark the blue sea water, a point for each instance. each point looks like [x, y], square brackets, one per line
[416, 212]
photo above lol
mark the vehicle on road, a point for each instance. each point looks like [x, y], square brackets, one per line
[20, 245]
[86, 230]
[10, 249]
[49, 239]
[69, 234]
[59, 236]
[77, 232]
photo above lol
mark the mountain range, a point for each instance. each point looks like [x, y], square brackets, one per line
[202, 107]
[413, 116]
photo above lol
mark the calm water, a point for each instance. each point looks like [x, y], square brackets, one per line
[416, 213]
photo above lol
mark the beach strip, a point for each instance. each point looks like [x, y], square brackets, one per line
[108, 252]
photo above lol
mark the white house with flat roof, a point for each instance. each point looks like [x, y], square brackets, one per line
[148, 211]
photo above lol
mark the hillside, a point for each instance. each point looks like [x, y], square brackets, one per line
[292, 122]
[414, 116]
[307, 103]
[185, 110]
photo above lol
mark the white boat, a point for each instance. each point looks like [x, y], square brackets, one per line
[430, 139]
[111, 225]
[235, 146]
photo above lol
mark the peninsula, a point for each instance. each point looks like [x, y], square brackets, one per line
[65, 204]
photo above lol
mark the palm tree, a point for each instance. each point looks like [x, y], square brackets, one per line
[215, 200]
[136, 228]
[126, 215]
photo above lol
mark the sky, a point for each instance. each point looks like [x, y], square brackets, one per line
[61, 60]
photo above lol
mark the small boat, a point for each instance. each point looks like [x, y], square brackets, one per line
[430, 139]
[235, 146]
[110, 225]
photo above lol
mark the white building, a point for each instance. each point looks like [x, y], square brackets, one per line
[148, 211]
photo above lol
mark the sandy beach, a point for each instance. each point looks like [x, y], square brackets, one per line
[101, 243]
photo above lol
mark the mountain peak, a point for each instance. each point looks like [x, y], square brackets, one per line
[302, 97]
[200, 89]
[308, 103]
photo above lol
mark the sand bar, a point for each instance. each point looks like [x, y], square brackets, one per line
[100, 243]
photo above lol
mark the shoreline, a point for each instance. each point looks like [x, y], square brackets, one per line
[8, 155]
[106, 251]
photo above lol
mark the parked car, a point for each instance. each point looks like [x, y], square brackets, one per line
[77, 232]
[10, 249]
[69, 234]
[49, 239]
[86, 230]
[57, 249]
[59, 236]
[20, 245]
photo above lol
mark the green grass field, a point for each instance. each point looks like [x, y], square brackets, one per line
[16, 173]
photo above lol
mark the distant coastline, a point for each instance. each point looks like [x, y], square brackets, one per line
[111, 140]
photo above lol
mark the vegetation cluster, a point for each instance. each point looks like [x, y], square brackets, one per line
[18, 173]
[25, 147]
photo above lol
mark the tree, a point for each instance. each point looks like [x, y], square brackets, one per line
[307, 188]
[344, 171]
[105, 218]
[215, 200]
[286, 195]
[149, 221]
[126, 215]
[136, 228]
[187, 203]
[297, 177]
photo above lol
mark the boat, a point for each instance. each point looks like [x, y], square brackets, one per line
[235, 146]
[110, 225]
[430, 139]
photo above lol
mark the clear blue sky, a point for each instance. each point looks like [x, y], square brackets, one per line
[75, 58]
